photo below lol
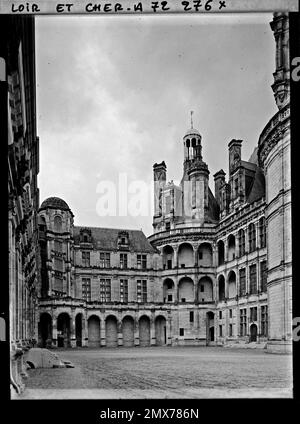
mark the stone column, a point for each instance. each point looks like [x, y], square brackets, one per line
[102, 332]
[195, 248]
[176, 291]
[226, 287]
[54, 331]
[136, 331]
[195, 290]
[120, 333]
[84, 334]
[152, 330]
[168, 331]
[72, 330]
[175, 265]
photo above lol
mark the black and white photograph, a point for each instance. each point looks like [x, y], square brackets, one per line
[149, 204]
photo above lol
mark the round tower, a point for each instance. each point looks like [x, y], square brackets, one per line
[55, 238]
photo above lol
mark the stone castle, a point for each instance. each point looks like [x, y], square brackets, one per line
[216, 270]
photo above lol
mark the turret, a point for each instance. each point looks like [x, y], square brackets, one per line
[235, 154]
[281, 86]
[219, 178]
[159, 176]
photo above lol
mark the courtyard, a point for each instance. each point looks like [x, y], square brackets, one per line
[163, 372]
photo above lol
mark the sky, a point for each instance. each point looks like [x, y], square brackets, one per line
[114, 96]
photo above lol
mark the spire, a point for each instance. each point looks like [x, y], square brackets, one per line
[192, 119]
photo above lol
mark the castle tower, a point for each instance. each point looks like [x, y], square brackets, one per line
[159, 176]
[274, 156]
[281, 86]
[196, 175]
[55, 238]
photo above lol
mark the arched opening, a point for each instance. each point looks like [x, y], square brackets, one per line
[205, 290]
[144, 331]
[232, 285]
[45, 330]
[94, 331]
[168, 290]
[160, 331]
[63, 330]
[185, 256]
[168, 257]
[210, 327]
[221, 287]
[111, 331]
[78, 329]
[186, 290]
[253, 333]
[128, 331]
[231, 248]
[221, 252]
[57, 223]
[205, 255]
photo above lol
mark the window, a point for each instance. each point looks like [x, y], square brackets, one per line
[262, 232]
[85, 258]
[253, 314]
[181, 331]
[253, 279]
[169, 264]
[264, 321]
[124, 291]
[170, 298]
[142, 291]
[242, 273]
[220, 330]
[230, 330]
[104, 260]
[86, 289]
[230, 313]
[105, 290]
[57, 245]
[241, 237]
[252, 237]
[142, 261]
[57, 223]
[263, 276]
[123, 260]
[243, 322]
[168, 226]
[191, 316]
[123, 239]
[220, 314]
[236, 187]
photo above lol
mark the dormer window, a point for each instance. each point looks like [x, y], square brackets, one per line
[123, 239]
[85, 235]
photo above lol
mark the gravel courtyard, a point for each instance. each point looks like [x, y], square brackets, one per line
[163, 372]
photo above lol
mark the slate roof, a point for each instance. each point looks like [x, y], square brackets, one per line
[107, 239]
[55, 203]
[257, 189]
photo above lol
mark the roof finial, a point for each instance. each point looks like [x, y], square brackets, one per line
[192, 118]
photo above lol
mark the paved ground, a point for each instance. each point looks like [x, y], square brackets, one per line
[163, 372]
